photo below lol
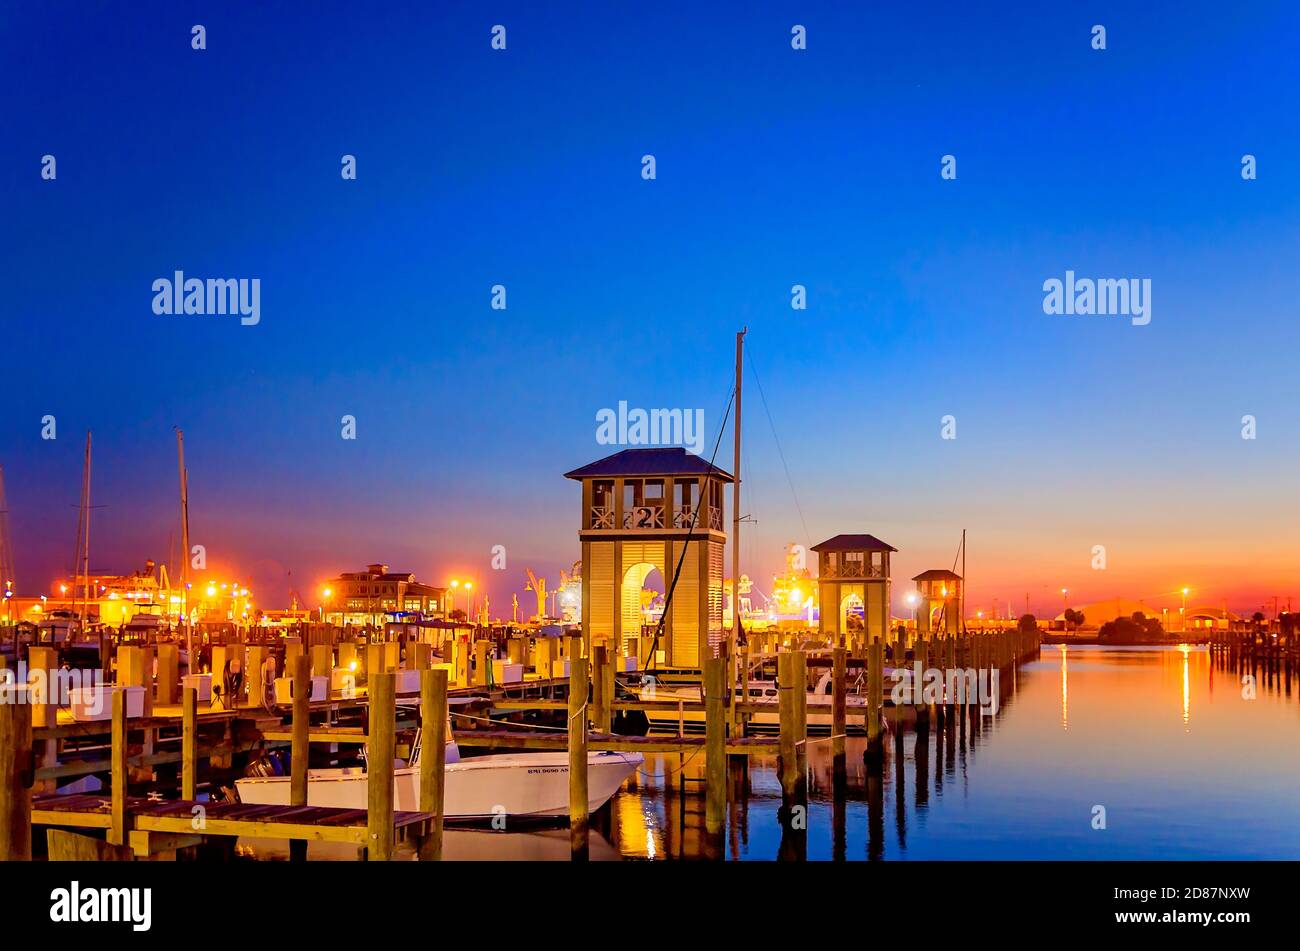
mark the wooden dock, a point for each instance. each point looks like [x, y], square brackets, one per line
[50, 748]
[153, 826]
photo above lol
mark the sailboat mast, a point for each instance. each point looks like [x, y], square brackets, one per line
[6, 549]
[83, 556]
[961, 602]
[185, 549]
[735, 513]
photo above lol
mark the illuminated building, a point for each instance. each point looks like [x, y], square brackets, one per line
[642, 511]
[939, 608]
[365, 597]
[853, 579]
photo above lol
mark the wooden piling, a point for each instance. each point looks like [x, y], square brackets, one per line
[715, 744]
[117, 773]
[189, 743]
[600, 699]
[299, 754]
[789, 716]
[875, 701]
[922, 662]
[168, 681]
[380, 751]
[16, 765]
[482, 663]
[433, 757]
[801, 710]
[839, 709]
[578, 797]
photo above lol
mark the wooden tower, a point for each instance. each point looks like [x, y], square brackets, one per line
[853, 573]
[937, 612]
[641, 510]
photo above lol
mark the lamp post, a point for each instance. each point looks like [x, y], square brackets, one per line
[1182, 614]
[1065, 599]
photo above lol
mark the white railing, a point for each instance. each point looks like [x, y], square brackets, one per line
[602, 517]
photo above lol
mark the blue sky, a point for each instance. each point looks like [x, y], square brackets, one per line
[775, 167]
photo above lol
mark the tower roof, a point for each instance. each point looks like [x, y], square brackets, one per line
[660, 461]
[937, 574]
[854, 543]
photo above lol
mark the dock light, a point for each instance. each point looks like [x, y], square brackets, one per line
[455, 583]
[327, 592]
[63, 589]
[352, 665]
[211, 591]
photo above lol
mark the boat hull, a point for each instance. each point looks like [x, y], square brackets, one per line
[532, 785]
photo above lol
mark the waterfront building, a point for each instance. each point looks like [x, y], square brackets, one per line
[853, 589]
[938, 602]
[643, 510]
[367, 597]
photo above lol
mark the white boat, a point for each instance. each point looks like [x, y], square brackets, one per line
[525, 785]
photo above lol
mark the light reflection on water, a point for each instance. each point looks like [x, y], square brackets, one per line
[1182, 769]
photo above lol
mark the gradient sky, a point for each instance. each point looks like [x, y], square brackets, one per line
[775, 167]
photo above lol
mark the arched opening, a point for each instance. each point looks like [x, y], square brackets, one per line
[853, 615]
[641, 603]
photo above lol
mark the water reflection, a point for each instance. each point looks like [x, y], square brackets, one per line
[1117, 731]
[1022, 784]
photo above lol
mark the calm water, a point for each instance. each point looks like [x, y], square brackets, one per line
[1184, 765]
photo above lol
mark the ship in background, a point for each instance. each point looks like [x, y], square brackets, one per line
[793, 604]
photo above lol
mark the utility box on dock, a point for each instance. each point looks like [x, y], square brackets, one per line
[504, 672]
[284, 689]
[88, 704]
[202, 684]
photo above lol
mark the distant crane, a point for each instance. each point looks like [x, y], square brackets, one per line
[538, 587]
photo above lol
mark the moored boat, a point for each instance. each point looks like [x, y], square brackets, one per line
[523, 785]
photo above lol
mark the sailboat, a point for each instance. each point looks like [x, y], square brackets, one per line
[523, 785]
